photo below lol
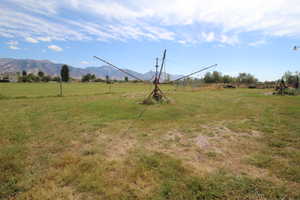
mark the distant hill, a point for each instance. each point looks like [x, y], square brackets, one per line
[53, 69]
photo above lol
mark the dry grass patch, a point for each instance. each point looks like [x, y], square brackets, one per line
[117, 148]
[49, 191]
[91, 145]
[211, 147]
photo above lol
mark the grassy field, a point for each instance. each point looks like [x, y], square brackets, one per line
[101, 143]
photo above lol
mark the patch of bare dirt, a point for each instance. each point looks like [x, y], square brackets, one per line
[117, 148]
[268, 93]
[133, 95]
[50, 190]
[173, 135]
[202, 141]
[211, 147]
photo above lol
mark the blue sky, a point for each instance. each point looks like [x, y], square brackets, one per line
[239, 35]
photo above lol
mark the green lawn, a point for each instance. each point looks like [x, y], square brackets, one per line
[99, 142]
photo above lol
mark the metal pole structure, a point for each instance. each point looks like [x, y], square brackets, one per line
[60, 83]
[295, 48]
[61, 94]
[297, 79]
[109, 83]
[106, 62]
[162, 63]
[156, 93]
[156, 81]
[156, 68]
[196, 72]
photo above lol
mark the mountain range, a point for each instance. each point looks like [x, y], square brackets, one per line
[53, 69]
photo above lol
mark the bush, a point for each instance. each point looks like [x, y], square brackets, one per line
[56, 78]
[99, 80]
[46, 78]
[88, 78]
[292, 91]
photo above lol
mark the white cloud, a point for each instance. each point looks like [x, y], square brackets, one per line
[182, 41]
[55, 48]
[84, 63]
[230, 40]
[44, 39]
[257, 43]
[31, 40]
[13, 45]
[219, 21]
[273, 17]
[209, 37]
[160, 33]
[46, 7]
[25, 25]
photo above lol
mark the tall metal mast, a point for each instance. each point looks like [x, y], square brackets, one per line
[156, 93]
[205, 68]
[131, 75]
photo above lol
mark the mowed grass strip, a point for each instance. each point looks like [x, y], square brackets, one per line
[92, 143]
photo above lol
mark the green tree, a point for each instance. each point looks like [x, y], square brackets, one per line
[99, 80]
[126, 78]
[46, 78]
[88, 77]
[24, 73]
[107, 79]
[208, 78]
[217, 76]
[64, 72]
[32, 78]
[227, 79]
[246, 78]
[56, 78]
[291, 78]
[85, 78]
[93, 77]
[41, 74]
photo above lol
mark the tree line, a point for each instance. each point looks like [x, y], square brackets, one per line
[209, 77]
[42, 77]
[92, 78]
[290, 78]
[218, 77]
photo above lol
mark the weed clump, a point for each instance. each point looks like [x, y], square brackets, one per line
[177, 182]
[148, 101]
[288, 91]
[260, 160]
[3, 97]
[151, 101]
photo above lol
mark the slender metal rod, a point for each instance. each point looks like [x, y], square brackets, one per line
[162, 64]
[106, 62]
[295, 48]
[206, 68]
[156, 70]
[60, 87]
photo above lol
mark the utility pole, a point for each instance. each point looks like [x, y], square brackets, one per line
[60, 86]
[156, 93]
[297, 78]
[156, 82]
[295, 48]
[60, 83]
